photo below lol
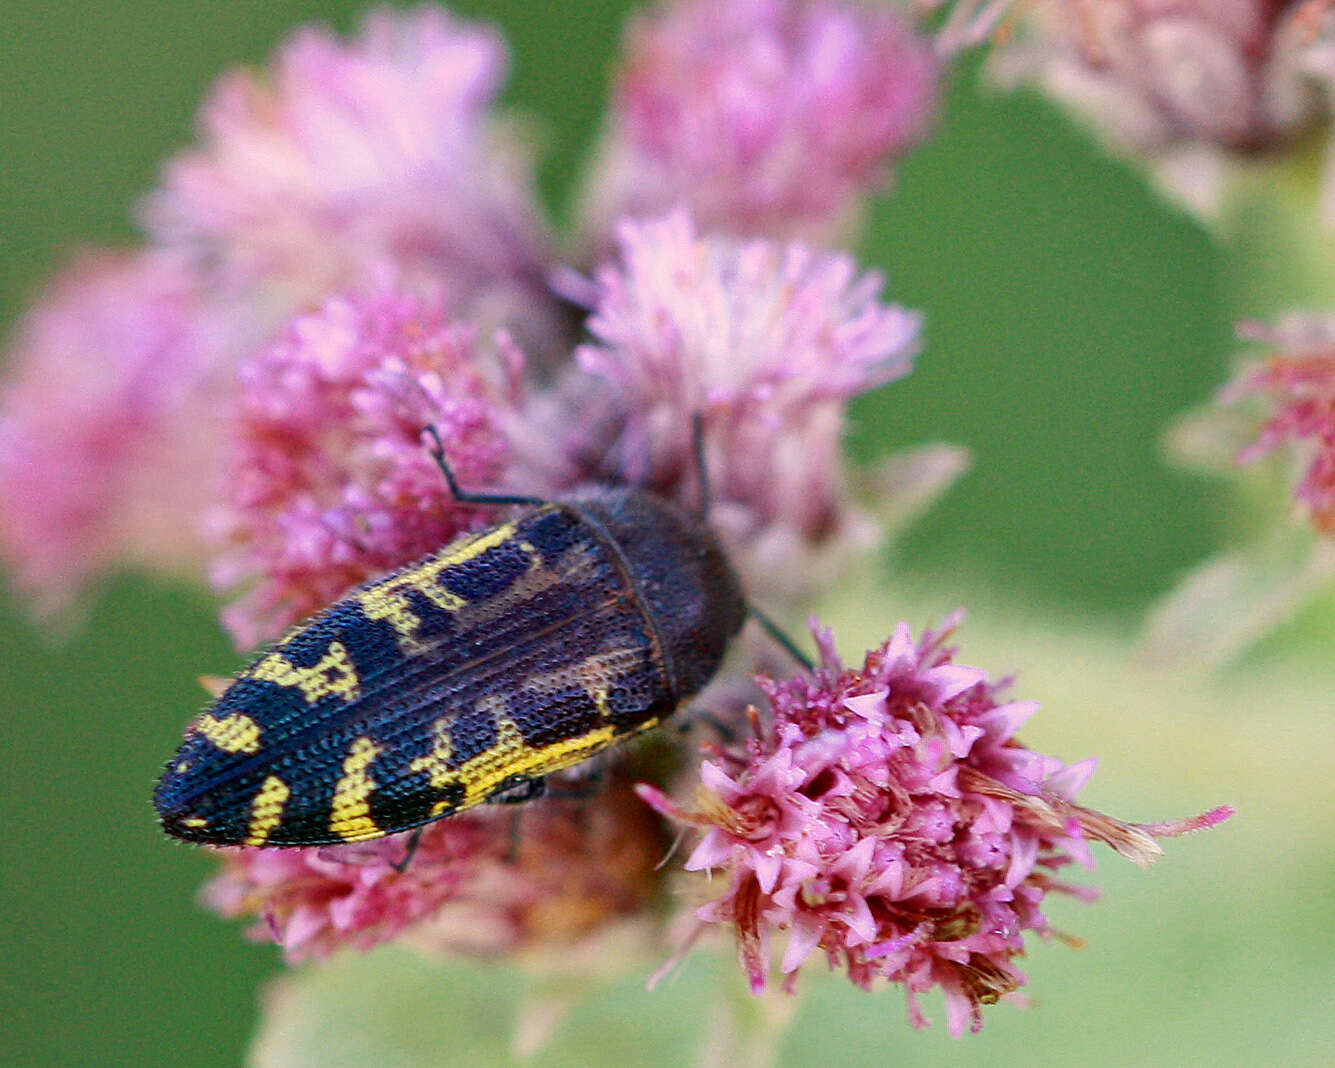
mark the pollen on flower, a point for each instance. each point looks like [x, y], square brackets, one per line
[887, 817]
[1298, 385]
[109, 422]
[772, 117]
[486, 881]
[768, 343]
[329, 481]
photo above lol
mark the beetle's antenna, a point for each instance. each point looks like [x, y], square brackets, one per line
[438, 454]
[702, 477]
[701, 471]
[777, 633]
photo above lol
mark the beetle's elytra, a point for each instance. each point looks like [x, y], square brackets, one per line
[507, 655]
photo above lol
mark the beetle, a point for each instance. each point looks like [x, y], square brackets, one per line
[467, 676]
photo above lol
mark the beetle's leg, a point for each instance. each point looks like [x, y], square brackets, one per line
[414, 840]
[519, 792]
[776, 632]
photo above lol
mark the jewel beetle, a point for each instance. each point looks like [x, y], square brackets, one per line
[469, 675]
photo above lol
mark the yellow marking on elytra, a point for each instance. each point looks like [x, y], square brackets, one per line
[511, 756]
[388, 600]
[194, 821]
[266, 811]
[235, 733]
[507, 757]
[350, 812]
[333, 674]
[391, 604]
[436, 763]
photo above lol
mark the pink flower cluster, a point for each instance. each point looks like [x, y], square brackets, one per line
[314, 901]
[352, 253]
[348, 162]
[486, 881]
[1298, 383]
[1190, 88]
[344, 156]
[764, 116]
[887, 816]
[109, 425]
[768, 343]
[1149, 72]
[329, 482]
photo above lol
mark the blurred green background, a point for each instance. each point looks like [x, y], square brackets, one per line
[1070, 315]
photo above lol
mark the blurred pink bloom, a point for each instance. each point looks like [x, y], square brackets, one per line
[330, 481]
[1298, 386]
[1282, 406]
[1151, 72]
[768, 343]
[486, 881]
[345, 156]
[314, 901]
[888, 817]
[110, 422]
[1181, 84]
[763, 117]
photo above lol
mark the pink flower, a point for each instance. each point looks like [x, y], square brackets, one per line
[346, 156]
[1149, 72]
[486, 881]
[1281, 406]
[110, 422]
[1182, 84]
[763, 117]
[1298, 384]
[768, 343]
[888, 817]
[330, 481]
[314, 901]
[343, 164]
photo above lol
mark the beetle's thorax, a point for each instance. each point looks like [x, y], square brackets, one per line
[680, 571]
